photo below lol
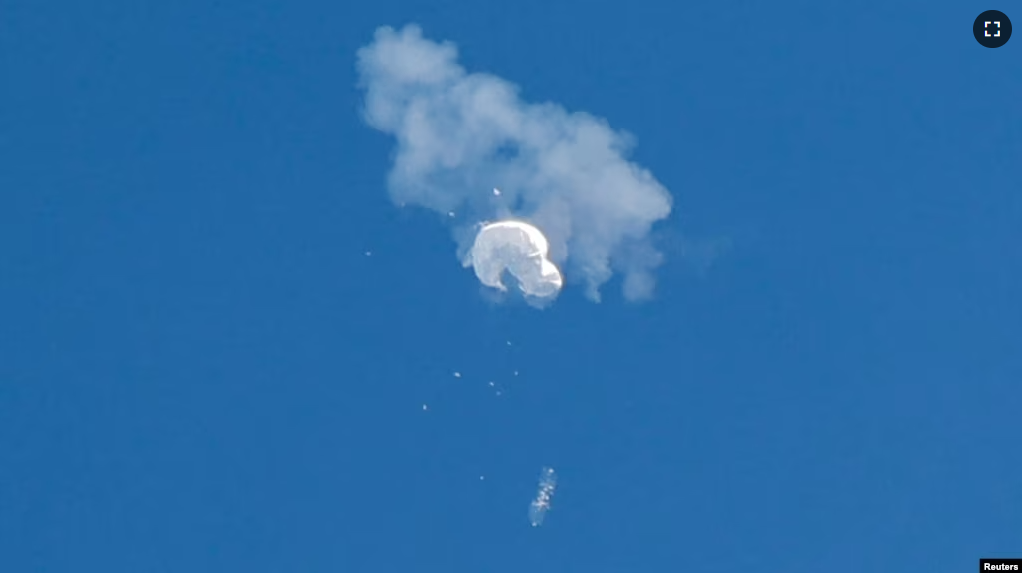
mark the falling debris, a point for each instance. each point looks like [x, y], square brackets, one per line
[508, 342]
[369, 253]
[495, 387]
[497, 192]
[458, 374]
[515, 373]
[542, 503]
[425, 408]
[481, 478]
[451, 213]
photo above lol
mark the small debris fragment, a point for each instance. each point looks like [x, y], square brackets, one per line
[458, 374]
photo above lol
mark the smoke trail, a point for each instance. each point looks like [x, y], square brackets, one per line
[460, 135]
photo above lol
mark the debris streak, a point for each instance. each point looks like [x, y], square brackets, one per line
[542, 502]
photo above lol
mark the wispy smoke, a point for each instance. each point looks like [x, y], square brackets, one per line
[460, 135]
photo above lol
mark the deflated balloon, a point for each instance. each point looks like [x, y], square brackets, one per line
[519, 249]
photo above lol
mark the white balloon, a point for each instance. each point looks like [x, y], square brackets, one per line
[519, 249]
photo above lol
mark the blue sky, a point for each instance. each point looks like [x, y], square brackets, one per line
[200, 369]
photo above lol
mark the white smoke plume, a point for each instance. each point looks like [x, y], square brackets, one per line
[460, 135]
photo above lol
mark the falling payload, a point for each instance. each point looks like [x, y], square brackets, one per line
[518, 249]
[542, 503]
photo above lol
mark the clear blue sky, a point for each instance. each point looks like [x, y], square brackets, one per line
[200, 370]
